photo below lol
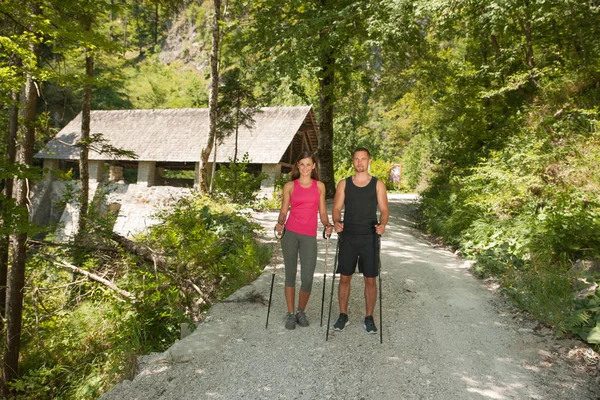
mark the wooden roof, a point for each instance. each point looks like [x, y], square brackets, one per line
[177, 135]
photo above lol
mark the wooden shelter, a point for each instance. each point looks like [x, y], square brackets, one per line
[173, 139]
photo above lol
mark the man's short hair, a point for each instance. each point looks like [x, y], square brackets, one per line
[361, 149]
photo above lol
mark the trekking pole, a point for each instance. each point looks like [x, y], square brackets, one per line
[380, 306]
[278, 237]
[324, 271]
[337, 248]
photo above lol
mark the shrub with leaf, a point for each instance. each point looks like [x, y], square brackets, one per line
[235, 183]
[81, 336]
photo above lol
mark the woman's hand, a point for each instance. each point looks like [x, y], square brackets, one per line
[278, 228]
[328, 230]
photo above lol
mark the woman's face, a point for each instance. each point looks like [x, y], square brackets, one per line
[305, 166]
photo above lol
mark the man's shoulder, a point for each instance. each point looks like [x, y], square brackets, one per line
[342, 182]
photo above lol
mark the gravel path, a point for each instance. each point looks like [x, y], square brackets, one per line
[446, 335]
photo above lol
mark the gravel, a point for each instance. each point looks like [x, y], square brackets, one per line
[446, 335]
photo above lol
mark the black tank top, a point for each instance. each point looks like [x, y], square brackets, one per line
[360, 207]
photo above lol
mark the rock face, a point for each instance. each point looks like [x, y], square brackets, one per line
[134, 205]
[186, 42]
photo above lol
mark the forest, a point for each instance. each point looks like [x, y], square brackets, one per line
[491, 107]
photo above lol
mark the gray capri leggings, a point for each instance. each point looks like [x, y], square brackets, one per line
[292, 245]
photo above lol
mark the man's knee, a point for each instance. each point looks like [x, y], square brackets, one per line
[370, 281]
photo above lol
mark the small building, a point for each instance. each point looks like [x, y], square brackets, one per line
[172, 139]
[163, 141]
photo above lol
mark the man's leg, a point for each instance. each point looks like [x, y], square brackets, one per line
[370, 295]
[344, 293]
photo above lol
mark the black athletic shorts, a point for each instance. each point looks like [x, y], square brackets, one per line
[361, 249]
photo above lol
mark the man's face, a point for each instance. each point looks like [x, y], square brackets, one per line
[361, 161]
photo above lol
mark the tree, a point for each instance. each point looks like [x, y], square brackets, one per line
[16, 276]
[214, 97]
[237, 107]
[12, 70]
[328, 41]
[84, 141]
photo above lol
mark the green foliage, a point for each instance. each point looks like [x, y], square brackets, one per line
[152, 84]
[546, 292]
[502, 142]
[80, 337]
[415, 163]
[272, 202]
[381, 170]
[214, 248]
[234, 183]
[585, 321]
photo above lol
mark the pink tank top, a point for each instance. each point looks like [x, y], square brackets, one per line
[304, 207]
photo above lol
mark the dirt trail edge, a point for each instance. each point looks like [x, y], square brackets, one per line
[446, 335]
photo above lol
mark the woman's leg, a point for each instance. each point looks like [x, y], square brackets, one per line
[308, 263]
[289, 248]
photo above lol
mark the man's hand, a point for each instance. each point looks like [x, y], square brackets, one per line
[338, 226]
[380, 229]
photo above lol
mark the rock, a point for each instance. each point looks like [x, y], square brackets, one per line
[184, 330]
[425, 371]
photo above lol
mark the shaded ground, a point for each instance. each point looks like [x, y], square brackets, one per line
[445, 336]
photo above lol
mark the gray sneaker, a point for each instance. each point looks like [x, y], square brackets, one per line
[290, 321]
[301, 318]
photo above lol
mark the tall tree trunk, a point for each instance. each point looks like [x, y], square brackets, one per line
[84, 170]
[214, 97]
[496, 46]
[526, 26]
[326, 114]
[213, 169]
[156, 20]
[11, 152]
[16, 276]
[235, 153]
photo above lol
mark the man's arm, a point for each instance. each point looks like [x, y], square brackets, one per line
[338, 203]
[382, 203]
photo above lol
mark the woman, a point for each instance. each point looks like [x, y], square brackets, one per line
[303, 197]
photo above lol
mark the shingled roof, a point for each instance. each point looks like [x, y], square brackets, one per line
[177, 135]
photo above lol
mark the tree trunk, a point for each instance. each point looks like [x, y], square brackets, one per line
[214, 97]
[16, 276]
[213, 169]
[11, 151]
[156, 20]
[529, 44]
[326, 114]
[84, 170]
[496, 46]
[235, 153]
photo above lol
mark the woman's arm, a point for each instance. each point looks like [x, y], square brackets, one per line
[285, 206]
[323, 209]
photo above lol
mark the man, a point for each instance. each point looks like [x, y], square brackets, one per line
[360, 195]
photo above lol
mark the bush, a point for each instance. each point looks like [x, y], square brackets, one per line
[79, 337]
[234, 183]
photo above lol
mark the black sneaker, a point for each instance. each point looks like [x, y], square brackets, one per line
[341, 323]
[370, 325]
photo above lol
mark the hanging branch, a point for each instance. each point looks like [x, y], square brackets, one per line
[96, 278]
[140, 250]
